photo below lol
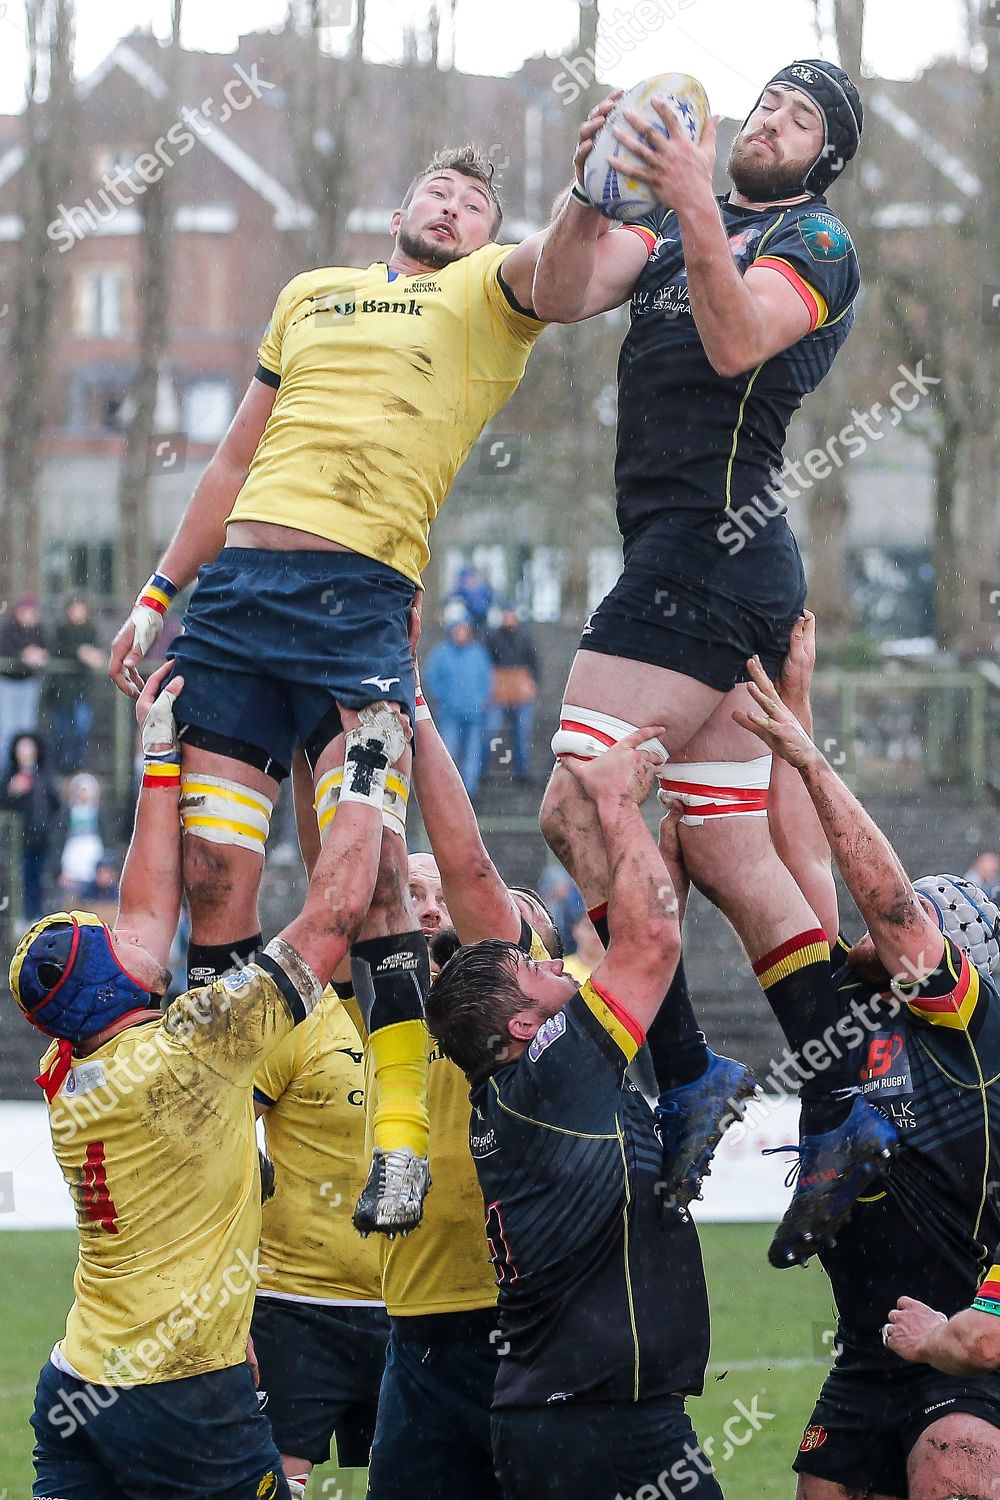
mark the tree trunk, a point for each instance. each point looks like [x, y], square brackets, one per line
[947, 552]
[329, 97]
[49, 143]
[153, 296]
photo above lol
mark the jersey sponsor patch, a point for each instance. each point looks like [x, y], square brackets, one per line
[550, 1031]
[885, 1073]
[824, 236]
[813, 1437]
[239, 979]
[85, 1077]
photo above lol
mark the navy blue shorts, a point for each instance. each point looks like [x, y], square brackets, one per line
[698, 599]
[432, 1438]
[321, 1368]
[204, 1438]
[585, 1450]
[273, 640]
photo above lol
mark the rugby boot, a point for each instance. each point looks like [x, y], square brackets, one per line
[392, 1201]
[832, 1171]
[692, 1119]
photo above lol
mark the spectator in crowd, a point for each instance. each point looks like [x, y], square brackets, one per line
[67, 695]
[561, 897]
[985, 872]
[101, 895]
[22, 656]
[458, 676]
[28, 790]
[589, 951]
[515, 687]
[476, 594]
[84, 847]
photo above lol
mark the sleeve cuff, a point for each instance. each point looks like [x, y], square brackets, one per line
[293, 976]
[259, 1097]
[814, 302]
[267, 377]
[646, 235]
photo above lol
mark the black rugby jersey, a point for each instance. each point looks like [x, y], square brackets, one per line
[602, 1295]
[689, 438]
[927, 1225]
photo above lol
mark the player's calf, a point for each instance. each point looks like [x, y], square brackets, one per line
[225, 822]
[390, 969]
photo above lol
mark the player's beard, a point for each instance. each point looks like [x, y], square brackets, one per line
[428, 252]
[763, 178]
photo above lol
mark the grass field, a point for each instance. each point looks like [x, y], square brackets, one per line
[767, 1353]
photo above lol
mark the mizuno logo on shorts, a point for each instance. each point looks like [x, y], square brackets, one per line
[382, 683]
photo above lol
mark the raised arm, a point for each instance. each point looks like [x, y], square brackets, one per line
[796, 831]
[199, 537]
[149, 900]
[479, 902]
[906, 938]
[644, 932]
[343, 879]
[583, 267]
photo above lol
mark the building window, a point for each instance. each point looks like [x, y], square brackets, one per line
[100, 303]
[208, 408]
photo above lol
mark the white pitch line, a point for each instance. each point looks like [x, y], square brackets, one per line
[761, 1364]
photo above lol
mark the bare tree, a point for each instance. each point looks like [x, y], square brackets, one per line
[329, 101]
[153, 298]
[932, 309]
[49, 140]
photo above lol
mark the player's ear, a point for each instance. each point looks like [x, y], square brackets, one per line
[523, 1026]
[395, 221]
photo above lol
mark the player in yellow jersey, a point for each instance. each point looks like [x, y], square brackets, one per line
[310, 530]
[149, 1392]
[319, 1326]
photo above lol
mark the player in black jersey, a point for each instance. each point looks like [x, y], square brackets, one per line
[739, 306]
[920, 1026]
[603, 1309]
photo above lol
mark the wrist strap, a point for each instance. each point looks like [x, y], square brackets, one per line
[158, 771]
[576, 192]
[420, 711]
[157, 593]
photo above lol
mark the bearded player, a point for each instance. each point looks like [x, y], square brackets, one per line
[920, 1026]
[310, 529]
[739, 306]
[149, 1391]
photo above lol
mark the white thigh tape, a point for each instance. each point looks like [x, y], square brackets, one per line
[717, 789]
[395, 798]
[223, 812]
[585, 734]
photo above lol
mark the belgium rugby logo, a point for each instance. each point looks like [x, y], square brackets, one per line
[813, 1437]
[268, 1486]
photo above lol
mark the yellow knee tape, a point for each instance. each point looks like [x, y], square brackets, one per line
[223, 812]
[394, 800]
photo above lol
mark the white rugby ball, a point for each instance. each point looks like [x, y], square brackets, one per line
[615, 194]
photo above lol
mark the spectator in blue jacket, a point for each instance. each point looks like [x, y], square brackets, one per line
[458, 678]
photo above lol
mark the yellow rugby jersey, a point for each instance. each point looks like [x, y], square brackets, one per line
[444, 1265]
[313, 1083]
[154, 1134]
[384, 382]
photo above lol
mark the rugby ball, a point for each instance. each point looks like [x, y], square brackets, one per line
[615, 194]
